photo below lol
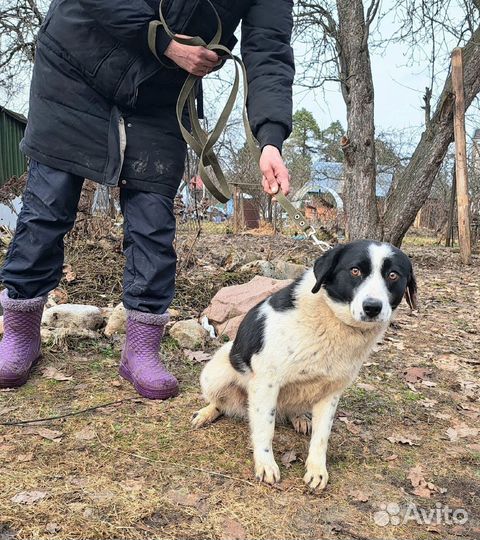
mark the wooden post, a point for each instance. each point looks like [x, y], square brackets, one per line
[450, 238]
[236, 191]
[463, 206]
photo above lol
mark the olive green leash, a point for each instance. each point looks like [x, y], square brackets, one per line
[202, 142]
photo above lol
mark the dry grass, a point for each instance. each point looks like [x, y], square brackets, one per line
[139, 471]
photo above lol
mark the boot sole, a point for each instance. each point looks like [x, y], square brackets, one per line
[147, 392]
[19, 381]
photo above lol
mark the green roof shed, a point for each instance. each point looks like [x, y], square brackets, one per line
[12, 128]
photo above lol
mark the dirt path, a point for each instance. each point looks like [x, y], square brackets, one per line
[402, 436]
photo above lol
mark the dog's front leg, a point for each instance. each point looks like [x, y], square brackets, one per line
[323, 413]
[262, 409]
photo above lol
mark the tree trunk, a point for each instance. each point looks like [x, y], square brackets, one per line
[415, 181]
[359, 144]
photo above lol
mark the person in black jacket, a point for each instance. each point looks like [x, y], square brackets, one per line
[102, 106]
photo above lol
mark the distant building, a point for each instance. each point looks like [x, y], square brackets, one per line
[12, 128]
[328, 183]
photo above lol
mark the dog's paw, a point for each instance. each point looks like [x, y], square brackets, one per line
[205, 416]
[267, 471]
[316, 477]
[302, 423]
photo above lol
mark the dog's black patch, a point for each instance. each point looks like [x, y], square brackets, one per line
[284, 299]
[249, 339]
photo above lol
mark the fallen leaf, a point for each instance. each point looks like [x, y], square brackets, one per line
[422, 487]
[197, 356]
[288, 458]
[414, 374]
[392, 457]
[28, 497]
[442, 416]
[52, 528]
[350, 425]
[58, 296]
[422, 491]
[86, 434]
[184, 498]
[23, 458]
[233, 530]
[70, 276]
[403, 440]
[69, 273]
[460, 431]
[50, 434]
[51, 372]
[428, 403]
[359, 495]
[447, 362]
[416, 475]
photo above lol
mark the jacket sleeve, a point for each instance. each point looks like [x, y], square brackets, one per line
[268, 58]
[127, 22]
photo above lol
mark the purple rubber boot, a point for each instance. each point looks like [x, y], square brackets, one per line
[140, 362]
[20, 346]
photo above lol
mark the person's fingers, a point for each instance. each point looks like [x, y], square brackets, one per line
[282, 177]
[271, 182]
[208, 56]
[265, 184]
[284, 185]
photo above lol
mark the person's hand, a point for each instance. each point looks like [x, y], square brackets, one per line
[275, 173]
[195, 59]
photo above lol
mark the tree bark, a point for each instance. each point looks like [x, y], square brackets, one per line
[415, 181]
[359, 145]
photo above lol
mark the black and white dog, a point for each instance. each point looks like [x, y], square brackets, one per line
[297, 351]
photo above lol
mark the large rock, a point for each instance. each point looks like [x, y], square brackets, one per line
[189, 333]
[230, 304]
[73, 317]
[275, 269]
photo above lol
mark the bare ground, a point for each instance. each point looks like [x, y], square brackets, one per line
[137, 470]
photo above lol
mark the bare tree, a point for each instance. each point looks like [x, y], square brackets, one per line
[19, 24]
[342, 33]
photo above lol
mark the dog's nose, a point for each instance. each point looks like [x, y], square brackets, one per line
[372, 307]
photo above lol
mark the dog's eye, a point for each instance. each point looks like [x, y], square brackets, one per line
[355, 272]
[393, 276]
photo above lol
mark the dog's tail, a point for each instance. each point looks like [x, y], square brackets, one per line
[218, 373]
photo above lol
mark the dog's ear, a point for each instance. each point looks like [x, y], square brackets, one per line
[411, 291]
[324, 265]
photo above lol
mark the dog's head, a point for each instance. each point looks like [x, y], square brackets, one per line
[365, 281]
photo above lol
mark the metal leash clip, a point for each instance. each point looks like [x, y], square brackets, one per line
[312, 234]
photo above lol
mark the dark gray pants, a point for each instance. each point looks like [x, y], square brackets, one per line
[35, 258]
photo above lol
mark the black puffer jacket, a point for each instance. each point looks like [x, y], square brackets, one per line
[94, 75]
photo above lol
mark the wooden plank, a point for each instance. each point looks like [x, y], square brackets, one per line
[463, 206]
[450, 237]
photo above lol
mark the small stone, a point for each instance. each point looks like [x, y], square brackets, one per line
[117, 321]
[189, 334]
